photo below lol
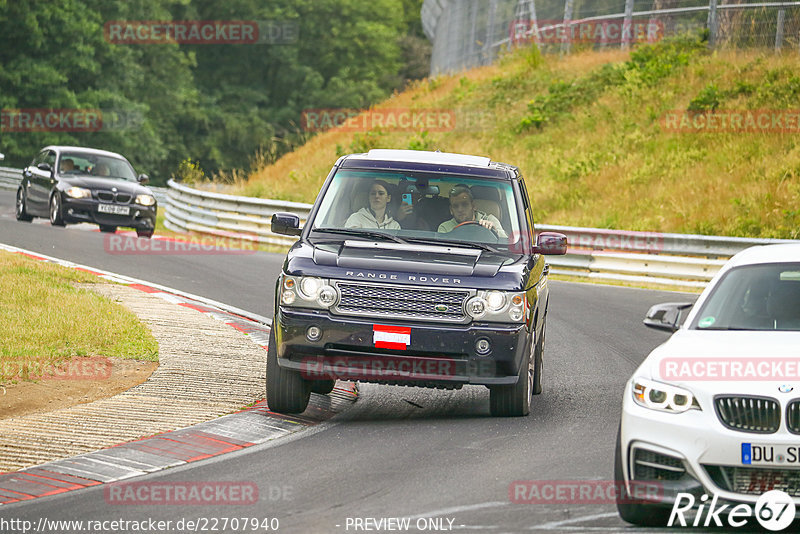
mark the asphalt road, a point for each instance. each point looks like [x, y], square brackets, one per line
[398, 452]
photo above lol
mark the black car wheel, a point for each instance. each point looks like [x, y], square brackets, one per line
[323, 387]
[56, 217]
[108, 229]
[646, 515]
[287, 391]
[514, 401]
[144, 233]
[21, 212]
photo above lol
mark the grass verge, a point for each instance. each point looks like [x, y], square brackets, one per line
[45, 320]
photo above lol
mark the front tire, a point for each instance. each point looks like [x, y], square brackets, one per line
[514, 401]
[108, 229]
[21, 211]
[144, 233]
[538, 362]
[287, 391]
[56, 215]
[646, 515]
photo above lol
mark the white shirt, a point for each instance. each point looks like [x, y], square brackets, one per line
[364, 218]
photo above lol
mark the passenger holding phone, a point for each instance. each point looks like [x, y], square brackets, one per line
[405, 215]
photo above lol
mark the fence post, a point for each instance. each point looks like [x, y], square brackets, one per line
[490, 33]
[779, 31]
[712, 22]
[534, 23]
[565, 45]
[627, 25]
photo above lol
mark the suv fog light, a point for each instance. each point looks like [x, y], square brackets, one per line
[476, 307]
[314, 333]
[483, 346]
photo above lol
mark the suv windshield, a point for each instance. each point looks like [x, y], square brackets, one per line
[94, 165]
[756, 297]
[434, 208]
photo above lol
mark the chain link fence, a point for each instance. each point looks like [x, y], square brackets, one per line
[470, 33]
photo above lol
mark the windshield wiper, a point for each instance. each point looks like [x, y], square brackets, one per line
[481, 246]
[360, 233]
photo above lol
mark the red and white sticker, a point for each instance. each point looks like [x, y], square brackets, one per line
[391, 337]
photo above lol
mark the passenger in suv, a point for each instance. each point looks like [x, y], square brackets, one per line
[409, 305]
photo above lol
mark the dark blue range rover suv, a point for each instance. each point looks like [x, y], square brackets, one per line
[413, 268]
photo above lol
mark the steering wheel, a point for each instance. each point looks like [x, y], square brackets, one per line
[475, 230]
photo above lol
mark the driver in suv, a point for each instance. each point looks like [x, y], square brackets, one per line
[462, 208]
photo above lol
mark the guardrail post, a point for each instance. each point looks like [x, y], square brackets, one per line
[565, 46]
[779, 31]
[713, 24]
[627, 25]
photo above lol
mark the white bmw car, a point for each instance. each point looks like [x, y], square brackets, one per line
[711, 418]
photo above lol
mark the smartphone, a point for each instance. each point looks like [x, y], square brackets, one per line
[407, 198]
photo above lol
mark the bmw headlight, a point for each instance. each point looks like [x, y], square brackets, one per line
[663, 397]
[308, 292]
[78, 192]
[145, 200]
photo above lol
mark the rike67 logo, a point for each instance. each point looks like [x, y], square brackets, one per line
[774, 510]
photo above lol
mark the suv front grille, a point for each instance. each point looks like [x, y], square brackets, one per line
[757, 415]
[755, 480]
[401, 302]
[793, 417]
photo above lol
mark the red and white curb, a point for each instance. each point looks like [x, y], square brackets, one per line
[222, 435]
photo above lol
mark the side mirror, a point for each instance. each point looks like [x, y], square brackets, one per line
[44, 167]
[551, 244]
[668, 316]
[143, 178]
[286, 224]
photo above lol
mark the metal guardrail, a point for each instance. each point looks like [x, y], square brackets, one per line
[656, 258]
[10, 179]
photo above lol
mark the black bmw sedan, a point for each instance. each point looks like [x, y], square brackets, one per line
[73, 184]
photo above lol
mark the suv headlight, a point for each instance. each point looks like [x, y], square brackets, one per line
[662, 397]
[498, 306]
[145, 200]
[78, 192]
[307, 292]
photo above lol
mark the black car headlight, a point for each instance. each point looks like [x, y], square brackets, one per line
[145, 200]
[78, 192]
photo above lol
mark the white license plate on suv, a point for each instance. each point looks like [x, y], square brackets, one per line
[113, 208]
[777, 455]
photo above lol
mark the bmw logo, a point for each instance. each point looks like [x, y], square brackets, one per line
[113, 189]
[785, 388]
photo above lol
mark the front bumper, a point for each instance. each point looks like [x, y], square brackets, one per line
[710, 454]
[437, 355]
[75, 210]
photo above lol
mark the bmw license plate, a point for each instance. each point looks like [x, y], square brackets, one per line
[777, 455]
[114, 209]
